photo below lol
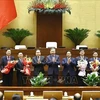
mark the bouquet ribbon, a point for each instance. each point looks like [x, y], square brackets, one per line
[8, 67]
[27, 70]
[82, 65]
[94, 64]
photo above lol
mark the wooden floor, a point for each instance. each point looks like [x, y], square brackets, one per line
[38, 91]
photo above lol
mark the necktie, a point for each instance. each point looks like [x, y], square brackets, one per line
[21, 60]
[38, 58]
[53, 58]
[8, 58]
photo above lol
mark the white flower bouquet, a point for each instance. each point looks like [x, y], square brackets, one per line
[82, 64]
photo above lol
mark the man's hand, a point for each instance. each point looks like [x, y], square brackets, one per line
[22, 71]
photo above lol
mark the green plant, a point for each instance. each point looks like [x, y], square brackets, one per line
[76, 35]
[17, 35]
[92, 79]
[49, 6]
[39, 80]
[98, 33]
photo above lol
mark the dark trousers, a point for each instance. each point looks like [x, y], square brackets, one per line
[21, 79]
[70, 80]
[80, 81]
[53, 79]
[7, 79]
[36, 73]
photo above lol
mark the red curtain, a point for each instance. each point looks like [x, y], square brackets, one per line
[7, 12]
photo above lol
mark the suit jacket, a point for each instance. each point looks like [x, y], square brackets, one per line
[69, 68]
[79, 58]
[53, 66]
[21, 77]
[38, 67]
[92, 59]
[19, 66]
[4, 62]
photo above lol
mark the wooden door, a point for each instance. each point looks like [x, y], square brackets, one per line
[49, 29]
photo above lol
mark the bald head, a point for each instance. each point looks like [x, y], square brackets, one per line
[77, 96]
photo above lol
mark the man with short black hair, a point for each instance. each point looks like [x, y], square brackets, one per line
[38, 62]
[53, 61]
[16, 97]
[82, 65]
[69, 72]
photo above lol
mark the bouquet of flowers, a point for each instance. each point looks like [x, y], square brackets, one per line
[82, 64]
[39, 80]
[27, 62]
[92, 79]
[94, 64]
[50, 6]
[8, 67]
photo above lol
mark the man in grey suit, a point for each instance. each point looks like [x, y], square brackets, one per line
[38, 62]
[53, 61]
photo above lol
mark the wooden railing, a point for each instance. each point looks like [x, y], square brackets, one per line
[45, 52]
[38, 91]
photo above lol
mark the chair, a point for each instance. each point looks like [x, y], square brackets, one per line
[9, 93]
[81, 47]
[20, 47]
[51, 44]
[53, 94]
[86, 95]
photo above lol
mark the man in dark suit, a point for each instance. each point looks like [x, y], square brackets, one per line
[81, 61]
[96, 60]
[7, 78]
[53, 61]
[21, 77]
[38, 62]
[69, 71]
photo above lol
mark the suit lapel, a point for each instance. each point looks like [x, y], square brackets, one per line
[20, 63]
[36, 59]
[40, 58]
[6, 58]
